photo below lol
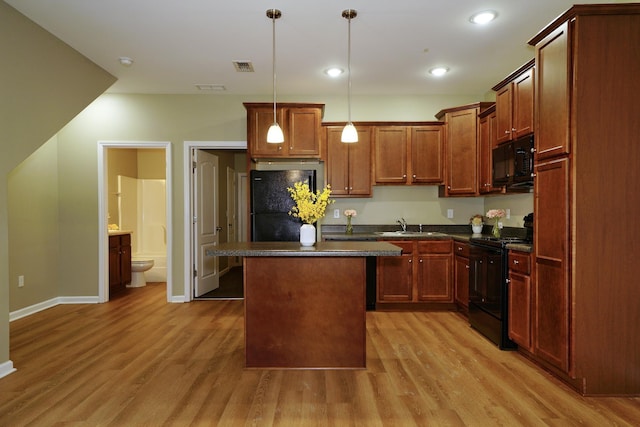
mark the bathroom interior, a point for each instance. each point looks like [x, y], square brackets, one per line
[137, 203]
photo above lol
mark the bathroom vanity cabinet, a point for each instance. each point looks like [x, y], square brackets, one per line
[119, 262]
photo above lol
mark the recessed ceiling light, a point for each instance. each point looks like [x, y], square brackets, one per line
[439, 71]
[334, 72]
[483, 17]
[125, 61]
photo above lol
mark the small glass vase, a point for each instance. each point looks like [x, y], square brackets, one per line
[495, 231]
[349, 226]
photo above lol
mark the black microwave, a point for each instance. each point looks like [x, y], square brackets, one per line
[513, 164]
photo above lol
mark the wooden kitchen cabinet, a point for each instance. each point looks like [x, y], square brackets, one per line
[300, 123]
[422, 274]
[119, 262]
[461, 152]
[488, 141]
[551, 242]
[461, 275]
[434, 271]
[394, 275]
[348, 166]
[514, 104]
[409, 154]
[586, 138]
[520, 299]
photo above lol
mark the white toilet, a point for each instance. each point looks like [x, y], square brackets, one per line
[138, 267]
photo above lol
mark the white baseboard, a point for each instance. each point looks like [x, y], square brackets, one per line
[32, 309]
[6, 368]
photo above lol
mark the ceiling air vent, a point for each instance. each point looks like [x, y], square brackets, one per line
[243, 66]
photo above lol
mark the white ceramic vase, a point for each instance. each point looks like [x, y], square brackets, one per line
[477, 229]
[307, 235]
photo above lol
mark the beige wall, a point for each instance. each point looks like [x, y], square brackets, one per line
[45, 84]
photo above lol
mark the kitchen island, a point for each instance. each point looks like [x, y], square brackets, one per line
[304, 307]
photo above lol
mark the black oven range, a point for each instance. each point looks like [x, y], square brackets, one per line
[488, 288]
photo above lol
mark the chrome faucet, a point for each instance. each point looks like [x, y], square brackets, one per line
[403, 224]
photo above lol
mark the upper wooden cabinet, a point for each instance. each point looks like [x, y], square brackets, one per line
[514, 104]
[300, 123]
[409, 153]
[487, 143]
[348, 166]
[461, 152]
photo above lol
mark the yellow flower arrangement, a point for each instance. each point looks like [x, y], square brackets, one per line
[310, 207]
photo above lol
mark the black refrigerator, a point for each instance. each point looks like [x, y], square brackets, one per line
[271, 203]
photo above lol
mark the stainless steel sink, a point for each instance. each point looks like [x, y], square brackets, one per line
[409, 233]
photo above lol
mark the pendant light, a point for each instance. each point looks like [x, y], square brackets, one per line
[274, 134]
[349, 133]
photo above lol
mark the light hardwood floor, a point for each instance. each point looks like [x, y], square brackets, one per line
[139, 360]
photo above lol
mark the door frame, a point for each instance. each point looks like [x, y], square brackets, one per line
[103, 210]
[188, 213]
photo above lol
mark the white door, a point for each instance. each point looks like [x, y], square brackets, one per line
[205, 221]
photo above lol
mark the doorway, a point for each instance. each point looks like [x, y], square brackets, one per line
[103, 209]
[229, 217]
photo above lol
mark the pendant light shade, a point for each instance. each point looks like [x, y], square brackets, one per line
[349, 133]
[274, 134]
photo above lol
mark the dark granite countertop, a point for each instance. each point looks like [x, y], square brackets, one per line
[294, 249]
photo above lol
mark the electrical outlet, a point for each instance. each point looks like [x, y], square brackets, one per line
[20, 281]
[449, 213]
[508, 213]
[336, 213]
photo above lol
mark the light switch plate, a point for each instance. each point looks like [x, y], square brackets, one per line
[336, 213]
[449, 213]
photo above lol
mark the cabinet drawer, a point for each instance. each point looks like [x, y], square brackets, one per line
[434, 246]
[406, 245]
[520, 262]
[461, 249]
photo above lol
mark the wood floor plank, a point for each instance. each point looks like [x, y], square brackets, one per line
[139, 361]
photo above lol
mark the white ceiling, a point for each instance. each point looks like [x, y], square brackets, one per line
[179, 43]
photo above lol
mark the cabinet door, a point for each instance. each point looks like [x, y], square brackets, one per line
[523, 104]
[434, 278]
[395, 278]
[390, 145]
[552, 95]
[434, 269]
[504, 108]
[114, 264]
[461, 281]
[360, 164]
[125, 259]
[487, 141]
[551, 273]
[303, 131]
[337, 165]
[427, 154]
[520, 309]
[394, 274]
[259, 119]
[462, 152]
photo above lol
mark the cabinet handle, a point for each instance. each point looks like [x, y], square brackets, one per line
[506, 132]
[420, 261]
[346, 188]
[459, 248]
[516, 262]
[404, 176]
[466, 266]
[414, 177]
[410, 261]
[350, 188]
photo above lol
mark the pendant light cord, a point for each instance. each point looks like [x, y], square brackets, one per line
[349, 68]
[273, 20]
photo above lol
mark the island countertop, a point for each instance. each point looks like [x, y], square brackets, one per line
[294, 249]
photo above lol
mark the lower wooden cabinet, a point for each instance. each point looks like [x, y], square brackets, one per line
[461, 275]
[422, 274]
[520, 299]
[119, 262]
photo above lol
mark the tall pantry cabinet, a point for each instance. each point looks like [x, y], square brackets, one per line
[587, 311]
